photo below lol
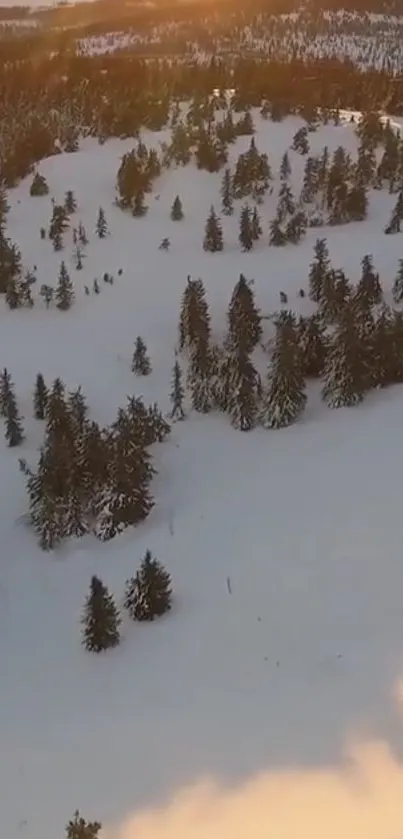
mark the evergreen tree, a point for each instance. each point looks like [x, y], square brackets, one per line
[369, 290]
[286, 203]
[177, 394]
[396, 217]
[199, 377]
[194, 319]
[148, 595]
[101, 226]
[58, 225]
[64, 293]
[312, 341]
[277, 237]
[300, 142]
[285, 168]
[213, 238]
[243, 385]
[39, 185]
[227, 205]
[101, 619]
[320, 267]
[244, 319]
[296, 227]
[141, 364]
[284, 398]
[40, 398]
[177, 209]
[245, 237]
[13, 296]
[139, 208]
[79, 828]
[255, 225]
[70, 203]
[10, 262]
[46, 291]
[14, 430]
[82, 235]
[344, 375]
[125, 499]
[6, 388]
[397, 289]
[78, 258]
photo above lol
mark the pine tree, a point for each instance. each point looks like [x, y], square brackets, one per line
[13, 296]
[139, 208]
[199, 378]
[255, 225]
[101, 226]
[320, 267]
[40, 397]
[243, 385]
[148, 595]
[286, 203]
[244, 319]
[78, 258]
[70, 202]
[396, 217]
[64, 293]
[101, 619]
[82, 235]
[141, 364]
[277, 237]
[245, 237]
[10, 262]
[46, 291]
[284, 398]
[397, 290]
[213, 239]
[369, 289]
[285, 168]
[14, 430]
[6, 388]
[227, 204]
[312, 341]
[177, 394]
[177, 210]
[344, 375]
[194, 319]
[39, 185]
[79, 828]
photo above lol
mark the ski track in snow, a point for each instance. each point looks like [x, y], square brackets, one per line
[303, 649]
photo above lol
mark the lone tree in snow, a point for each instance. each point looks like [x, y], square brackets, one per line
[177, 210]
[141, 364]
[39, 185]
[14, 430]
[101, 619]
[40, 397]
[79, 828]
[64, 294]
[101, 226]
[177, 393]
[148, 595]
[70, 203]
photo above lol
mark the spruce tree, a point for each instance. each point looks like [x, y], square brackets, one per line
[39, 185]
[40, 397]
[319, 268]
[14, 430]
[70, 203]
[194, 319]
[101, 226]
[344, 374]
[100, 620]
[285, 168]
[139, 208]
[227, 203]
[213, 238]
[199, 377]
[284, 398]
[141, 364]
[246, 237]
[79, 828]
[396, 217]
[277, 237]
[148, 595]
[242, 391]
[255, 225]
[397, 289]
[244, 319]
[286, 203]
[369, 289]
[177, 209]
[82, 235]
[6, 388]
[13, 295]
[64, 293]
[177, 394]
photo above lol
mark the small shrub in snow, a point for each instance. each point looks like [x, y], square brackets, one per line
[79, 828]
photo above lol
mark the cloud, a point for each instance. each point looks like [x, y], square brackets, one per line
[364, 800]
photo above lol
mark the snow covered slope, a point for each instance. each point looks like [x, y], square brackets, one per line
[306, 653]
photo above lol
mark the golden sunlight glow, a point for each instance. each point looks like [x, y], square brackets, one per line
[362, 801]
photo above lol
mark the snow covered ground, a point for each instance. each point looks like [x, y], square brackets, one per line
[260, 691]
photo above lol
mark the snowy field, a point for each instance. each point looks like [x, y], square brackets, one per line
[262, 692]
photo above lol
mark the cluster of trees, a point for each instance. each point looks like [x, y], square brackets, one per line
[148, 595]
[90, 479]
[352, 342]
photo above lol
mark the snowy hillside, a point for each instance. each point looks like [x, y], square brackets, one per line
[284, 643]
